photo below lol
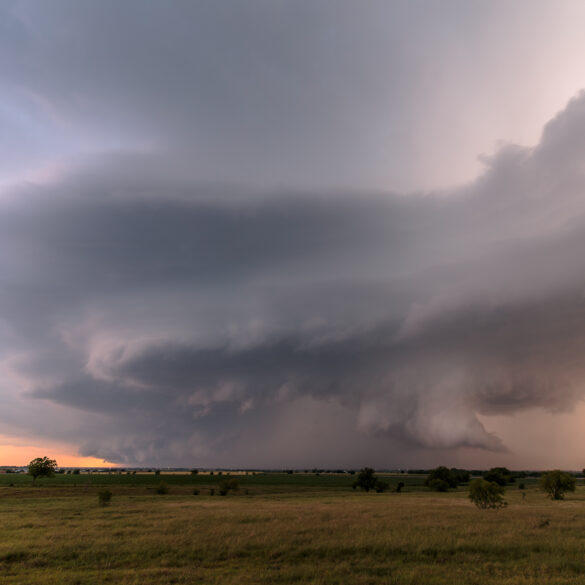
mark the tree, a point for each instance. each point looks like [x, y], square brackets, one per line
[366, 480]
[42, 467]
[486, 494]
[441, 478]
[556, 483]
[499, 475]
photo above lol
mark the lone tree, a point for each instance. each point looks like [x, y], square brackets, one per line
[486, 494]
[366, 480]
[556, 483]
[41, 467]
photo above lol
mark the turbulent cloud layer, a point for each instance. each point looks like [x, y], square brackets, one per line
[183, 281]
[184, 327]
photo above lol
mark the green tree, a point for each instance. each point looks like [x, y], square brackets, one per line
[556, 483]
[366, 481]
[499, 475]
[442, 478]
[486, 494]
[42, 467]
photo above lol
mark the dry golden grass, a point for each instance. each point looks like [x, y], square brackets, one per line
[344, 538]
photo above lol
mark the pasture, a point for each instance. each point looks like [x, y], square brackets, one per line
[280, 529]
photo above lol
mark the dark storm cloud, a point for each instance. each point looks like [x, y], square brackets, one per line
[185, 323]
[162, 302]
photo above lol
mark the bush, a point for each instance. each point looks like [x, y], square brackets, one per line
[104, 497]
[556, 483]
[228, 485]
[437, 485]
[195, 492]
[162, 489]
[486, 494]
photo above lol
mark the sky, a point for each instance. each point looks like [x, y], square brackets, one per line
[292, 234]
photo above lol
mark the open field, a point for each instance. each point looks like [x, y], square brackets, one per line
[297, 529]
[256, 482]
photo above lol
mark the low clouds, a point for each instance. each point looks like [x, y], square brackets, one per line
[190, 326]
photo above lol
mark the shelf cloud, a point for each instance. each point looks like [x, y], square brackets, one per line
[185, 283]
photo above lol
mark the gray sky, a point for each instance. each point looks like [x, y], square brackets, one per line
[293, 234]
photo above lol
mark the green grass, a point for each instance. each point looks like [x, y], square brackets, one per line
[261, 482]
[284, 533]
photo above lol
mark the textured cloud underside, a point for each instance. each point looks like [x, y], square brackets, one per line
[187, 323]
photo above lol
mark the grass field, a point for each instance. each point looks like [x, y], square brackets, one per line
[287, 529]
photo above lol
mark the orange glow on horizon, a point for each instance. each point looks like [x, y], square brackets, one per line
[15, 453]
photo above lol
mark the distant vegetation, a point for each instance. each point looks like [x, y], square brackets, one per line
[366, 480]
[499, 475]
[441, 478]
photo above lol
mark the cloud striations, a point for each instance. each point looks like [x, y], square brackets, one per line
[188, 325]
[185, 282]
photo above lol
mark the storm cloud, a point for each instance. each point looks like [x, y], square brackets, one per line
[198, 278]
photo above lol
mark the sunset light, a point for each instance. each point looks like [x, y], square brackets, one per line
[13, 453]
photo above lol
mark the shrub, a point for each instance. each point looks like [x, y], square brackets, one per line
[228, 485]
[162, 488]
[556, 483]
[195, 492]
[486, 494]
[437, 485]
[104, 497]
